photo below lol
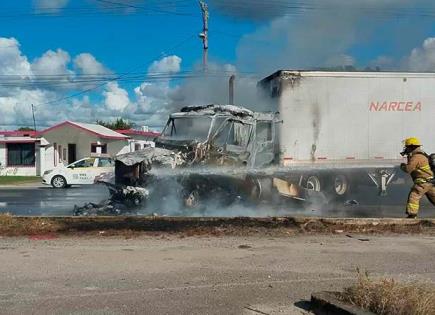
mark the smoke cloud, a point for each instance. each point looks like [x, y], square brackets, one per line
[328, 33]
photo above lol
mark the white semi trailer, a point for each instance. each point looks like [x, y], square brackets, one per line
[347, 127]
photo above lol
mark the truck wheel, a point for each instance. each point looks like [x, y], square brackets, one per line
[58, 181]
[192, 200]
[313, 183]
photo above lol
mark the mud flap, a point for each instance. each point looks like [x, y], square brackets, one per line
[295, 191]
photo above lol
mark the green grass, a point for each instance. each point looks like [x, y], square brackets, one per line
[16, 180]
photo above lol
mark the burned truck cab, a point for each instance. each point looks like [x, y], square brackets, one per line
[204, 152]
[221, 135]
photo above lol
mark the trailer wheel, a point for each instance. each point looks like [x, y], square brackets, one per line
[313, 183]
[341, 185]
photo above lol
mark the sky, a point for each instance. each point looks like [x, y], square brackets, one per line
[88, 60]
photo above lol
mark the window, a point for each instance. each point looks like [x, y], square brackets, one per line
[83, 163]
[239, 134]
[188, 128]
[105, 162]
[264, 131]
[137, 146]
[21, 154]
[95, 146]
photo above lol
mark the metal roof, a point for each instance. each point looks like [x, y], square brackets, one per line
[95, 129]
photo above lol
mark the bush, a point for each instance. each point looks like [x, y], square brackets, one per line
[388, 297]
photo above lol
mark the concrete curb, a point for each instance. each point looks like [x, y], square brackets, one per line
[17, 225]
[326, 303]
[31, 184]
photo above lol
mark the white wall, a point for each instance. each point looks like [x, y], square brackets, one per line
[70, 135]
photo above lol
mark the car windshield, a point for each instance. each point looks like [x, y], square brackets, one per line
[188, 128]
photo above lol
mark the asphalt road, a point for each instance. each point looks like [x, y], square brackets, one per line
[46, 200]
[365, 203]
[196, 275]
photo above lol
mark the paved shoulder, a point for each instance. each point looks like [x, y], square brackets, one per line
[196, 275]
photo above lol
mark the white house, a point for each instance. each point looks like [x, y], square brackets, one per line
[32, 153]
[71, 141]
[19, 153]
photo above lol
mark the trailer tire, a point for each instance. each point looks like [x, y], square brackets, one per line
[313, 182]
[341, 185]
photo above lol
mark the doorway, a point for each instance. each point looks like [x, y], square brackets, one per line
[72, 157]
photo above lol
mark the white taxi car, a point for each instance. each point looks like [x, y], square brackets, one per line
[81, 172]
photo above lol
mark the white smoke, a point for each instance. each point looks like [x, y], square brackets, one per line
[327, 33]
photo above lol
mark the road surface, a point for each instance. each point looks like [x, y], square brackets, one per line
[196, 275]
[45, 200]
[50, 202]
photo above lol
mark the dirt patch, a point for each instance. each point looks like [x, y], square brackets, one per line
[13, 226]
[388, 297]
[196, 226]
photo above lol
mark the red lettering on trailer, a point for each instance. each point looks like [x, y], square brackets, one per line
[395, 106]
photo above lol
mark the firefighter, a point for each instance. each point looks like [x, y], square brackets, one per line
[419, 169]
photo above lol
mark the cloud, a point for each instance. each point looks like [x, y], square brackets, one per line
[170, 64]
[422, 58]
[52, 75]
[52, 63]
[12, 61]
[50, 5]
[87, 64]
[48, 77]
[116, 98]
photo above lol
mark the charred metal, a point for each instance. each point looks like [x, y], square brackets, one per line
[194, 139]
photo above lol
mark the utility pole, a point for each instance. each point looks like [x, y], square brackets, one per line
[204, 34]
[34, 121]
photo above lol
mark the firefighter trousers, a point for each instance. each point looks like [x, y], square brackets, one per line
[417, 192]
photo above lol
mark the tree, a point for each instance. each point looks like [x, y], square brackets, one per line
[118, 124]
[25, 129]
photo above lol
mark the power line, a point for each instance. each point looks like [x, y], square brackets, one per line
[126, 5]
[114, 8]
[107, 81]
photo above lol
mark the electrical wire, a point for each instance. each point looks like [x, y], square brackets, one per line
[107, 81]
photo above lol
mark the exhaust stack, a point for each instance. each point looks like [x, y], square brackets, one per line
[231, 90]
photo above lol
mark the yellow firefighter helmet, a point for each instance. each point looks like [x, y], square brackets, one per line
[412, 141]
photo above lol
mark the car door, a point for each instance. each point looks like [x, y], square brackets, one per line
[82, 172]
[105, 165]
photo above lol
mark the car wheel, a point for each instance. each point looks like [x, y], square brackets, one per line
[58, 181]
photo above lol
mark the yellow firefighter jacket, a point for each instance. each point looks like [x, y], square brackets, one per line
[418, 167]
